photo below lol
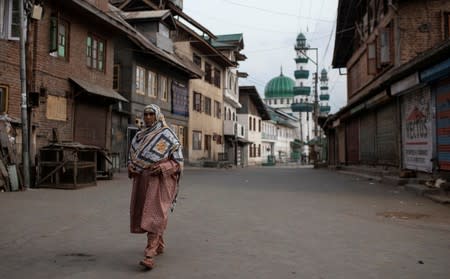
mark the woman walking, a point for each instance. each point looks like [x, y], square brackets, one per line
[155, 165]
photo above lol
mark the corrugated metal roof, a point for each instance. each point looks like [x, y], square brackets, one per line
[98, 90]
[146, 14]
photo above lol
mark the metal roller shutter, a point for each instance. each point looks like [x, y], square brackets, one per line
[352, 136]
[367, 136]
[387, 130]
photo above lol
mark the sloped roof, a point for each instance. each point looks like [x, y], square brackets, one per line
[256, 99]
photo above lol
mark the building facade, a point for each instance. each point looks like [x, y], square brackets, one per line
[395, 76]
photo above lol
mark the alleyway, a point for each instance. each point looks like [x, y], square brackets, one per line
[238, 223]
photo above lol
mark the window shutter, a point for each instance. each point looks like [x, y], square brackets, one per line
[385, 54]
[53, 33]
[371, 58]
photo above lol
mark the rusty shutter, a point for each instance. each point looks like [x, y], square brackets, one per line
[367, 134]
[387, 130]
[352, 137]
[341, 144]
[442, 93]
[90, 124]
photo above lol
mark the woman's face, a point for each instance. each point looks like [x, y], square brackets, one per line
[149, 118]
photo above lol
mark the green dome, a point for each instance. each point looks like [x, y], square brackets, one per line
[301, 37]
[280, 87]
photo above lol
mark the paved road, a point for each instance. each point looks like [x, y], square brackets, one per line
[238, 223]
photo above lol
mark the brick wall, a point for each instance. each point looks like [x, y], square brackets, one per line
[51, 74]
[10, 74]
[420, 26]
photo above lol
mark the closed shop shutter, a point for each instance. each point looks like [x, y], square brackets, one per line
[367, 134]
[386, 139]
[442, 92]
[352, 136]
[332, 148]
[341, 144]
[90, 124]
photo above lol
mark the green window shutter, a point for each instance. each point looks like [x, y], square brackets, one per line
[53, 33]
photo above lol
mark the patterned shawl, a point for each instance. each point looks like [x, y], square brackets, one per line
[155, 143]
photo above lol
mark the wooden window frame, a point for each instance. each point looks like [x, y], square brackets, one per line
[116, 77]
[59, 40]
[372, 58]
[9, 20]
[208, 104]
[140, 80]
[446, 25]
[385, 43]
[217, 109]
[163, 82]
[208, 73]
[196, 144]
[4, 97]
[197, 102]
[96, 57]
[217, 77]
[152, 84]
[197, 59]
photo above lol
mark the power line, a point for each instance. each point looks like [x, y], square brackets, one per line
[274, 12]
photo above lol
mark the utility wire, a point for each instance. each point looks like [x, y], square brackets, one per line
[273, 12]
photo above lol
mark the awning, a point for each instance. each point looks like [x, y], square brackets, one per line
[98, 90]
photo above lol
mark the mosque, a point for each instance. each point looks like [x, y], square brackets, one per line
[297, 97]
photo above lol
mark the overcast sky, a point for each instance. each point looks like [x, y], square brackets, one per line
[270, 29]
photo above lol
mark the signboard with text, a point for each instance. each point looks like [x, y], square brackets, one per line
[417, 131]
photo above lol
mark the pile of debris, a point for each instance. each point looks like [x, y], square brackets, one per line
[10, 175]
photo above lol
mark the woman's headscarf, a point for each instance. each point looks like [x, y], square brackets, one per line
[158, 114]
[155, 143]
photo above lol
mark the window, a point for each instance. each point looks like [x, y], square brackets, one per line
[216, 77]
[207, 142]
[259, 150]
[3, 98]
[254, 124]
[152, 84]
[208, 72]
[9, 19]
[385, 46]
[250, 123]
[207, 106]
[371, 58]
[140, 80]
[259, 124]
[197, 60]
[163, 87]
[446, 17]
[281, 101]
[197, 102]
[116, 74]
[218, 109]
[196, 140]
[229, 114]
[95, 53]
[274, 101]
[59, 37]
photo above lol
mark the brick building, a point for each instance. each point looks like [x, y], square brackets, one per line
[387, 48]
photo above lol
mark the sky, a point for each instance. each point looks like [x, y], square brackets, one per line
[270, 32]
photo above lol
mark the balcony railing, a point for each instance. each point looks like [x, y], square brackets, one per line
[302, 90]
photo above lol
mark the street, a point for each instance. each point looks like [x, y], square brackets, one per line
[254, 222]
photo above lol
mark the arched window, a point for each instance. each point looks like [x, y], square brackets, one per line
[234, 117]
[250, 123]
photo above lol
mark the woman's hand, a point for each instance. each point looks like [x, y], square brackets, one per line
[156, 170]
[131, 171]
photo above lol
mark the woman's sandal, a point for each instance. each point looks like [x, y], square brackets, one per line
[147, 263]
